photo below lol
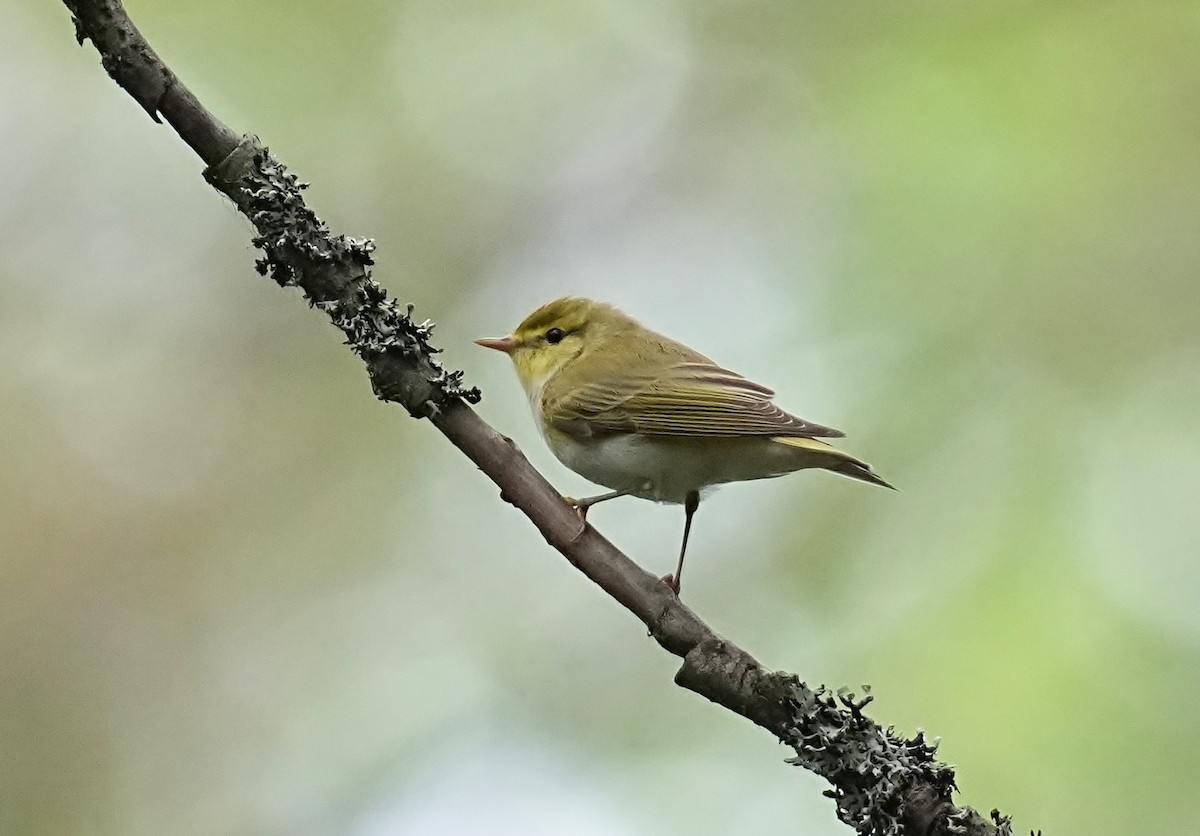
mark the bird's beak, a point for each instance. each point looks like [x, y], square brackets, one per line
[505, 344]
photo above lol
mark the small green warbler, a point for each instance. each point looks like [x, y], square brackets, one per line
[646, 416]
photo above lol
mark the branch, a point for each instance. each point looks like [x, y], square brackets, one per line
[882, 783]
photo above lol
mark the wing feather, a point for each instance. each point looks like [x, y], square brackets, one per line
[688, 399]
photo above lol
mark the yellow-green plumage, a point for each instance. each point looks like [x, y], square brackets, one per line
[644, 415]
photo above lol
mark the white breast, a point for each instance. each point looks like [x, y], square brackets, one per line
[665, 469]
[622, 463]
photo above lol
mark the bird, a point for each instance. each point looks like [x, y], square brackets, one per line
[646, 416]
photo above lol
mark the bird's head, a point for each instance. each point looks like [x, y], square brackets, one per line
[554, 335]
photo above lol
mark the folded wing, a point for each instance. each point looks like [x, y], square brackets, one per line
[689, 399]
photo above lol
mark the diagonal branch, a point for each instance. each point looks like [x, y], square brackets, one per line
[882, 783]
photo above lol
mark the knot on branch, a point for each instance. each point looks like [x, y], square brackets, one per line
[124, 53]
[334, 273]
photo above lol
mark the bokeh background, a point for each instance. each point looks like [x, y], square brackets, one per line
[240, 596]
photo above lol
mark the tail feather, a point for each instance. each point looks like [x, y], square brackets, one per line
[831, 458]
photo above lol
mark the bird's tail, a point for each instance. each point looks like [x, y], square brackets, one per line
[831, 458]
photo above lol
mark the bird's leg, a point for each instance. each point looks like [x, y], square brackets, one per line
[690, 503]
[581, 505]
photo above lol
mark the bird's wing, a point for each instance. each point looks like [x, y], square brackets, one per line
[688, 399]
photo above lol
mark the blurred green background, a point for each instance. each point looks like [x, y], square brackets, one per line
[240, 596]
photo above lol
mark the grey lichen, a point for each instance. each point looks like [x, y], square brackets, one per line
[883, 784]
[873, 771]
[334, 272]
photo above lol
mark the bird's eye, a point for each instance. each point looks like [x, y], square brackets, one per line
[555, 335]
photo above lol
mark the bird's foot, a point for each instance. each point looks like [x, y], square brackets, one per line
[581, 510]
[671, 583]
[580, 506]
